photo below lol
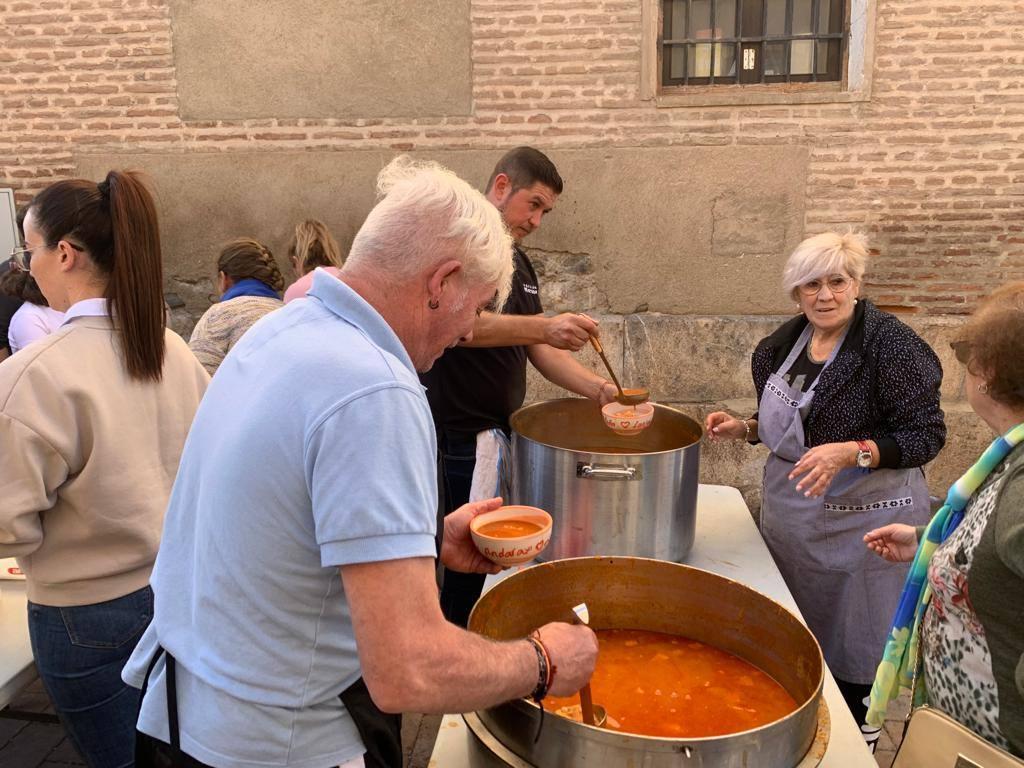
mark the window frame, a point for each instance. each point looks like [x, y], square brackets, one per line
[855, 67]
[749, 35]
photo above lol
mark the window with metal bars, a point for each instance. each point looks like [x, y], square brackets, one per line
[729, 42]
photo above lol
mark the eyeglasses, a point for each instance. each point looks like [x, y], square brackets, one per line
[962, 350]
[835, 283]
[22, 257]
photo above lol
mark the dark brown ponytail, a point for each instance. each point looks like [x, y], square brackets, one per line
[115, 224]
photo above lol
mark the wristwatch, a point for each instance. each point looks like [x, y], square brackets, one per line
[863, 455]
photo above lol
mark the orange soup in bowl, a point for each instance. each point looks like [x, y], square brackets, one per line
[509, 529]
[511, 535]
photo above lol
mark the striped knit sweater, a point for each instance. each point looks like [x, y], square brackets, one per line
[223, 324]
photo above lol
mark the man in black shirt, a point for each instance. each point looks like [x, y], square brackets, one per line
[475, 387]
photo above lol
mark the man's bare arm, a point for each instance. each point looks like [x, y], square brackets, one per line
[561, 368]
[413, 660]
[565, 331]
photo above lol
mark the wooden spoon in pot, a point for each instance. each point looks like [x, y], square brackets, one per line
[593, 714]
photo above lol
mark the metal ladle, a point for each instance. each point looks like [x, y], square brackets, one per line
[625, 396]
[593, 714]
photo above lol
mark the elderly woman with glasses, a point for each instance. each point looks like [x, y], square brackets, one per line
[957, 632]
[848, 404]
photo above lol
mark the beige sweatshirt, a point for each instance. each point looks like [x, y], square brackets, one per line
[88, 458]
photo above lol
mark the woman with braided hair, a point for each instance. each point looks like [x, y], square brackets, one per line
[250, 286]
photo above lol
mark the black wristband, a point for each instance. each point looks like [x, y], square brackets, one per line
[542, 671]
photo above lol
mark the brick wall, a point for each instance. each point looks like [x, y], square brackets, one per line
[932, 167]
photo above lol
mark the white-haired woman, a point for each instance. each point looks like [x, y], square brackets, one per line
[848, 404]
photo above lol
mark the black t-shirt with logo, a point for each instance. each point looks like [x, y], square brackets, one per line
[471, 389]
[804, 371]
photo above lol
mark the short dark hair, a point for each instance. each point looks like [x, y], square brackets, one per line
[526, 166]
[19, 284]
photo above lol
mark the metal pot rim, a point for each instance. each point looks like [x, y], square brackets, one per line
[812, 701]
[657, 407]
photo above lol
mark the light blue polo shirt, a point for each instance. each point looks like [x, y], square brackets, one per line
[312, 448]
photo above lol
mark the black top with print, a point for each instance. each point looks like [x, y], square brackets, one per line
[471, 389]
[883, 385]
[804, 372]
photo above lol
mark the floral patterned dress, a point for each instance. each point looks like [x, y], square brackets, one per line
[957, 662]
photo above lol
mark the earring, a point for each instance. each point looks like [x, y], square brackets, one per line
[855, 301]
[433, 303]
[983, 388]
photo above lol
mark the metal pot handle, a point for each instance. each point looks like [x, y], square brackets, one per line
[607, 472]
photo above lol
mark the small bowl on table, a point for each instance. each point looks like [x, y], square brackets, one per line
[627, 419]
[511, 535]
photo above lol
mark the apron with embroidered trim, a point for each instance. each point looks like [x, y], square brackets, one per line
[847, 594]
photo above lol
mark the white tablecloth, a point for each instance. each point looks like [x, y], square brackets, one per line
[16, 666]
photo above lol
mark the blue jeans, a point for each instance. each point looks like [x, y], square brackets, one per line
[79, 653]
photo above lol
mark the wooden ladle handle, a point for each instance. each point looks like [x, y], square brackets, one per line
[600, 350]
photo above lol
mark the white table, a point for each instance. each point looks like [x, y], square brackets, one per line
[17, 668]
[728, 543]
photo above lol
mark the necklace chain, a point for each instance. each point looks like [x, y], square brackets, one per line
[810, 352]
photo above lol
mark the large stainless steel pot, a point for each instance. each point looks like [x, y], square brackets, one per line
[607, 494]
[636, 593]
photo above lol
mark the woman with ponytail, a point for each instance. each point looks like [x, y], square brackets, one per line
[312, 246]
[94, 419]
[250, 286]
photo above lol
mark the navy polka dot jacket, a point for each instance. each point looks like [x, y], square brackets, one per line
[883, 385]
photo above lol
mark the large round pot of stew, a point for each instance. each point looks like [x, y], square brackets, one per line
[608, 494]
[694, 669]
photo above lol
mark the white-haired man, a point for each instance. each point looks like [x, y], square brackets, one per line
[298, 549]
[474, 388]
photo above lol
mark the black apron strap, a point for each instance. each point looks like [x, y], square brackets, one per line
[442, 510]
[149, 671]
[381, 733]
[149, 751]
[172, 707]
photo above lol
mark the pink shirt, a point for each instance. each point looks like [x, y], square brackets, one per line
[297, 290]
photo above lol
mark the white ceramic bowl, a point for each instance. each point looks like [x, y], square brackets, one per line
[628, 419]
[516, 550]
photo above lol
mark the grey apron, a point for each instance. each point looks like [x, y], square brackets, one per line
[847, 594]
